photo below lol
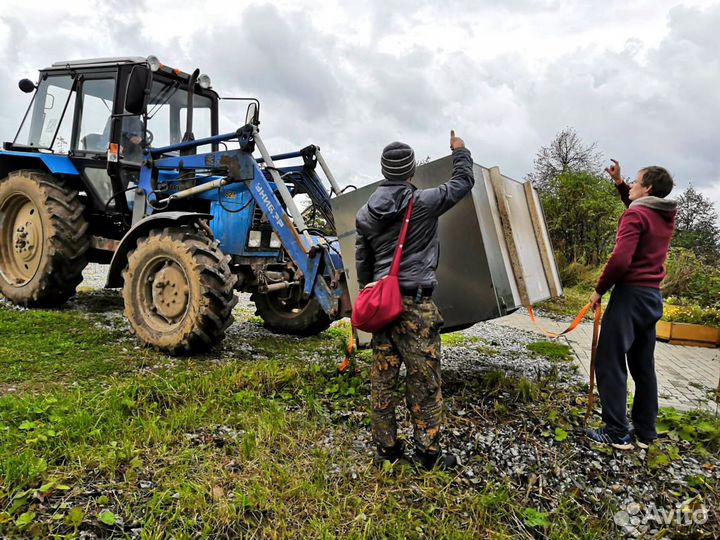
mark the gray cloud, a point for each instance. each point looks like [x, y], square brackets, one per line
[661, 109]
[412, 70]
[269, 54]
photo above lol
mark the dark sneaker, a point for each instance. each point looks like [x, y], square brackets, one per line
[392, 454]
[603, 437]
[430, 461]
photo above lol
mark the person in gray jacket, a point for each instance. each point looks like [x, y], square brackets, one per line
[414, 338]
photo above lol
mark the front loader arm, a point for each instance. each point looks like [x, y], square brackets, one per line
[311, 260]
[310, 256]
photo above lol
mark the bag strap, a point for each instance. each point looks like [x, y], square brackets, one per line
[395, 267]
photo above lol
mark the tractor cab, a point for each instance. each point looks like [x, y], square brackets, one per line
[102, 113]
[119, 161]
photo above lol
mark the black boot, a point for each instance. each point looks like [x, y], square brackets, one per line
[430, 461]
[391, 454]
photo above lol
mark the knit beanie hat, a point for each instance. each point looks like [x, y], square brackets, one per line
[398, 161]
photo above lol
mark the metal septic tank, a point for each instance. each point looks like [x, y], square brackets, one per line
[495, 252]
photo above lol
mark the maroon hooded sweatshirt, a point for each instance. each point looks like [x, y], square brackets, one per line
[641, 246]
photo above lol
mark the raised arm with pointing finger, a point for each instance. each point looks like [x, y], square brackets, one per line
[624, 190]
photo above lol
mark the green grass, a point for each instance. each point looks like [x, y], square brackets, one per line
[551, 350]
[457, 339]
[265, 471]
[232, 450]
[260, 444]
[47, 347]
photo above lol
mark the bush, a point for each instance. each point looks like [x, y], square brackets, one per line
[581, 211]
[577, 273]
[691, 279]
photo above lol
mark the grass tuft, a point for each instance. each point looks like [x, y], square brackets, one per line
[551, 350]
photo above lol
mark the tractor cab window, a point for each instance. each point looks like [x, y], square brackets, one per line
[94, 130]
[48, 123]
[96, 118]
[167, 114]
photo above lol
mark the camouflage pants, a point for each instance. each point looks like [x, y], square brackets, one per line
[413, 339]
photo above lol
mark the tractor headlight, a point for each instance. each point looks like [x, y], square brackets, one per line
[153, 62]
[255, 239]
[275, 241]
[204, 81]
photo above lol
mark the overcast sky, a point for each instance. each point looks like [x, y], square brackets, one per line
[639, 78]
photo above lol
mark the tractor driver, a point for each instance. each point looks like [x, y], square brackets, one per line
[131, 138]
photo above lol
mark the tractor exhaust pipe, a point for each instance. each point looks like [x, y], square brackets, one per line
[189, 136]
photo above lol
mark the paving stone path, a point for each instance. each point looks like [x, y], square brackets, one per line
[687, 376]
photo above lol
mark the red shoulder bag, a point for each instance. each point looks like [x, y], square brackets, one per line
[378, 306]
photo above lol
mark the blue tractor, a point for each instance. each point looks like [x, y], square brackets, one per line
[119, 161]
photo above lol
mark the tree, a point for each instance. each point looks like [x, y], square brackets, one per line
[696, 226]
[566, 153]
[582, 211]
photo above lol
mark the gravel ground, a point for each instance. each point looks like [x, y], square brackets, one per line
[516, 443]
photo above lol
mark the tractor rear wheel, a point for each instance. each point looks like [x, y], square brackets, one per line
[178, 291]
[285, 312]
[43, 239]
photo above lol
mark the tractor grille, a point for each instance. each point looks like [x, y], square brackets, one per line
[258, 223]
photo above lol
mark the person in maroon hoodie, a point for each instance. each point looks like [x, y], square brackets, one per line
[627, 335]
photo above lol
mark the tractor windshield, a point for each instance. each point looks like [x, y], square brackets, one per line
[47, 124]
[167, 113]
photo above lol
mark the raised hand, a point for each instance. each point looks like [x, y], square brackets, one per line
[455, 142]
[614, 171]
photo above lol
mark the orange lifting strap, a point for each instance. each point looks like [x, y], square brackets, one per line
[593, 353]
[343, 365]
[570, 328]
[573, 326]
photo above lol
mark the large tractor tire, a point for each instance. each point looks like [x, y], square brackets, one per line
[178, 291]
[43, 239]
[285, 312]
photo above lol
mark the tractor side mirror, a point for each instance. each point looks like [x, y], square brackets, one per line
[138, 89]
[27, 86]
[251, 116]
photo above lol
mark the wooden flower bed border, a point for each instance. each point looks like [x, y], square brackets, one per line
[688, 334]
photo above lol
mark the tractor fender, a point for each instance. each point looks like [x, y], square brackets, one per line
[140, 229]
[52, 163]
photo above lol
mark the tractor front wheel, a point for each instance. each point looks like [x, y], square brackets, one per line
[178, 291]
[43, 239]
[285, 312]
